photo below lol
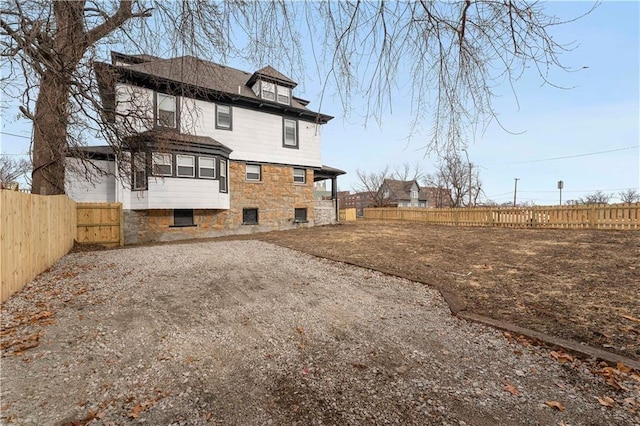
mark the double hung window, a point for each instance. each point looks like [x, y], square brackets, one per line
[166, 110]
[290, 134]
[186, 165]
[162, 164]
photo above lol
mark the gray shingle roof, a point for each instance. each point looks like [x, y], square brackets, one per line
[207, 75]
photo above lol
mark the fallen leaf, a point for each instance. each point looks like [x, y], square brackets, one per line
[620, 366]
[561, 357]
[190, 359]
[511, 389]
[605, 401]
[135, 412]
[554, 404]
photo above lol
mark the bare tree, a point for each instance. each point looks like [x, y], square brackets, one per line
[456, 53]
[370, 183]
[598, 197]
[408, 171]
[631, 195]
[458, 176]
[12, 170]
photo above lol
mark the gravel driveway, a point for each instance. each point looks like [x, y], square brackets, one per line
[245, 332]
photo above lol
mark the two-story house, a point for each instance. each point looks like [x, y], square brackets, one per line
[407, 193]
[208, 150]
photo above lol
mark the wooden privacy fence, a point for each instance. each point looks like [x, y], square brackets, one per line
[100, 223]
[601, 216]
[347, 215]
[35, 231]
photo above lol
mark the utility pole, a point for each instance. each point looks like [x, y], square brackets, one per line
[470, 166]
[515, 191]
[560, 186]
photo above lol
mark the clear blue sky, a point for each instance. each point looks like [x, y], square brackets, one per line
[600, 113]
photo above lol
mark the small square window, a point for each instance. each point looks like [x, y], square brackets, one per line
[253, 172]
[183, 217]
[249, 216]
[207, 167]
[299, 175]
[162, 164]
[186, 165]
[223, 117]
[223, 176]
[300, 216]
[290, 133]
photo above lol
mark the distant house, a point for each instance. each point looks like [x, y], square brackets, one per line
[208, 150]
[407, 193]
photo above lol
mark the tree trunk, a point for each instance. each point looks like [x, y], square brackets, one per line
[50, 134]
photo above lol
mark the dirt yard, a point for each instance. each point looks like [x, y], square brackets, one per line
[250, 333]
[579, 285]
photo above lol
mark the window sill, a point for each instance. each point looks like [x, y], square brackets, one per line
[250, 223]
[183, 226]
[300, 221]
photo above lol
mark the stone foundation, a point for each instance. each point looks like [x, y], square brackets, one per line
[275, 196]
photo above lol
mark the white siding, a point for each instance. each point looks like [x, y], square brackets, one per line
[135, 103]
[100, 188]
[176, 193]
[256, 136]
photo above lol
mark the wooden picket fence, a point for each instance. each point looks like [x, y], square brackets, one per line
[601, 216]
[347, 215]
[37, 230]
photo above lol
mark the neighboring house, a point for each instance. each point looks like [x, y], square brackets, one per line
[407, 193]
[439, 198]
[358, 201]
[210, 150]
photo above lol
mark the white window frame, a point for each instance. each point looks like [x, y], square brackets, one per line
[192, 166]
[160, 159]
[287, 142]
[161, 100]
[285, 93]
[299, 175]
[268, 88]
[223, 176]
[219, 109]
[256, 169]
[200, 167]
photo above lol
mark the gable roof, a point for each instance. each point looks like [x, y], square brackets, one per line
[271, 74]
[400, 189]
[200, 78]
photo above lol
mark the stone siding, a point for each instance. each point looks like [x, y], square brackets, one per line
[324, 212]
[275, 196]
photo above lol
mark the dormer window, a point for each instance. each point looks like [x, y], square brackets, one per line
[284, 95]
[268, 91]
[166, 110]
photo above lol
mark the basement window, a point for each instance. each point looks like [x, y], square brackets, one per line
[300, 216]
[183, 217]
[250, 216]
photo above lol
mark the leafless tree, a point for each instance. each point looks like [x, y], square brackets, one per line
[460, 177]
[631, 195]
[597, 197]
[455, 53]
[408, 171]
[370, 183]
[12, 170]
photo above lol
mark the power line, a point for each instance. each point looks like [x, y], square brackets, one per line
[566, 156]
[17, 136]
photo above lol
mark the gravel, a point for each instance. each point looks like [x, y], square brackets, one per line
[245, 332]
